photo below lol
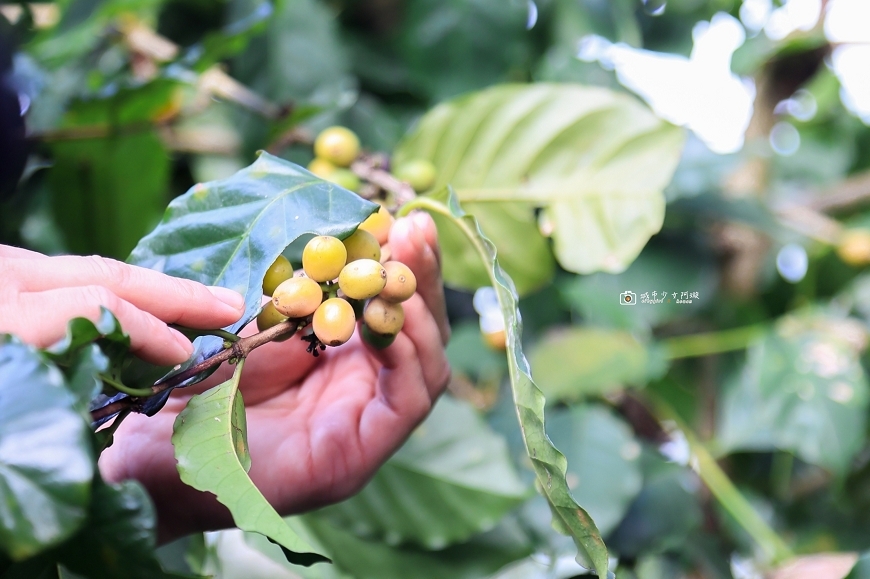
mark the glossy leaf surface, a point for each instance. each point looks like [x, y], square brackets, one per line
[46, 456]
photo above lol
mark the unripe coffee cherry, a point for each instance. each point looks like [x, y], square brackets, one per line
[379, 224]
[383, 317]
[297, 297]
[321, 167]
[344, 178]
[269, 317]
[279, 271]
[362, 279]
[362, 245]
[377, 341]
[338, 145]
[323, 258]
[401, 282]
[418, 173]
[333, 322]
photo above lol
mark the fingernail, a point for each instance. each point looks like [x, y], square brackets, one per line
[228, 296]
[183, 342]
[421, 219]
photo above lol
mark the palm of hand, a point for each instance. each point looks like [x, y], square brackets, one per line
[318, 428]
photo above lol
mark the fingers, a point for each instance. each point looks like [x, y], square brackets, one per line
[422, 330]
[170, 299]
[401, 402]
[414, 242]
[40, 318]
[17, 252]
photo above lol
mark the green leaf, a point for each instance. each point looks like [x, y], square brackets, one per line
[549, 464]
[661, 267]
[119, 539]
[229, 232]
[46, 457]
[108, 192]
[664, 514]
[479, 557]
[211, 449]
[603, 467]
[571, 363]
[803, 389]
[861, 570]
[452, 478]
[595, 160]
[87, 350]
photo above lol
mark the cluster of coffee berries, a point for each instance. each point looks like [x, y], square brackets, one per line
[339, 282]
[336, 148]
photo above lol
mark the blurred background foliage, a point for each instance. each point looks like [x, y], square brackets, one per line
[710, 439]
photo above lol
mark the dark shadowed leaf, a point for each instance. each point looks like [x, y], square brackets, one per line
[119, 539]
[46, 456]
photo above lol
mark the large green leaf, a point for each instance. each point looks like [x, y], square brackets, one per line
[120, 537]
[109, 188]
[108, 192]
[803, 389]
[664, 514]
[228, 232]
[861, 570]
[46, 456]
[451, 479]
[210, 439]
[595, 160]
[549, 464]
[576, 362]
[603, 467]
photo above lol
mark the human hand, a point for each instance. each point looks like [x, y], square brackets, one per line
[318, 428]
[39, 295]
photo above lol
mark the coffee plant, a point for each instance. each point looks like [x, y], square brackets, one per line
[658, 351]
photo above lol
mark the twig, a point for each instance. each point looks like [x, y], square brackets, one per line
[852, 191]
[238, 350]
[370, 170]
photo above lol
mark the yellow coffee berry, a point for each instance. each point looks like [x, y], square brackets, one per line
[379, 224]
[297, 297]
[383, 317]
[279, 271]
[362, 245]
[362, 279]
[333, 322]
[323, 258]
[321, 167]
[854, 247]
[338, 145]
[401, 282]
